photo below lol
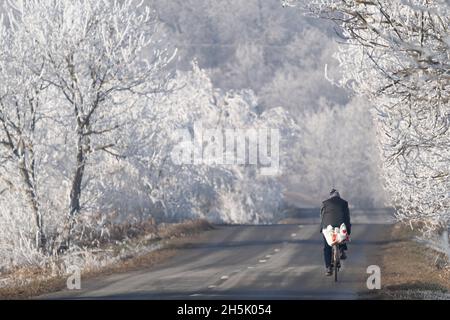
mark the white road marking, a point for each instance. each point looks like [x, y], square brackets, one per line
[293, 235]
[268, 256]
[262, 261]
[224, 277]
[251, 267]
[277, 250]
[212, 286]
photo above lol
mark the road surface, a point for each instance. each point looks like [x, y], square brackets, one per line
[281, 261]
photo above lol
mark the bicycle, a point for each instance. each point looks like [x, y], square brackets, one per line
[336, 237]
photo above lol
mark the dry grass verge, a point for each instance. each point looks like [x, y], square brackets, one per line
[169, 237]
[410, 270]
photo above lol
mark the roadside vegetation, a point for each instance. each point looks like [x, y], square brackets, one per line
[410, 268]
[131, 247]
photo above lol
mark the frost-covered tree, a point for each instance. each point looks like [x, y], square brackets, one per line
[260, 46]
[217, 191]
[22, 106]
[92, 54]
[88, 116]
[397, 54]
[337, 147]
[255, 45]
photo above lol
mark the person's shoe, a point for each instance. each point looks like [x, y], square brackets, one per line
[329, 272]
[343, 255]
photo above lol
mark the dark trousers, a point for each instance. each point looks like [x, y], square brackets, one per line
[328, 252]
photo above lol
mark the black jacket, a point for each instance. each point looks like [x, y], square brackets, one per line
[335, 212]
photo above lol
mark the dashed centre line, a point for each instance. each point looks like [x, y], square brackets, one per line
[224, 278]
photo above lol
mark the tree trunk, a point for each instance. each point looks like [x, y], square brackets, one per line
[75, 192]
[41, 239]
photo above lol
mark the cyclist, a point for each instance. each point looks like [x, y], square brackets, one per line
[334, 212]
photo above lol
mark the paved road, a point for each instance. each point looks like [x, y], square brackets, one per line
[247, 262]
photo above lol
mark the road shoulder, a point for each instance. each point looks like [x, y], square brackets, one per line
[409, 269]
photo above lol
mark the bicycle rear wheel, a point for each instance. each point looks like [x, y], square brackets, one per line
[336, 260]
